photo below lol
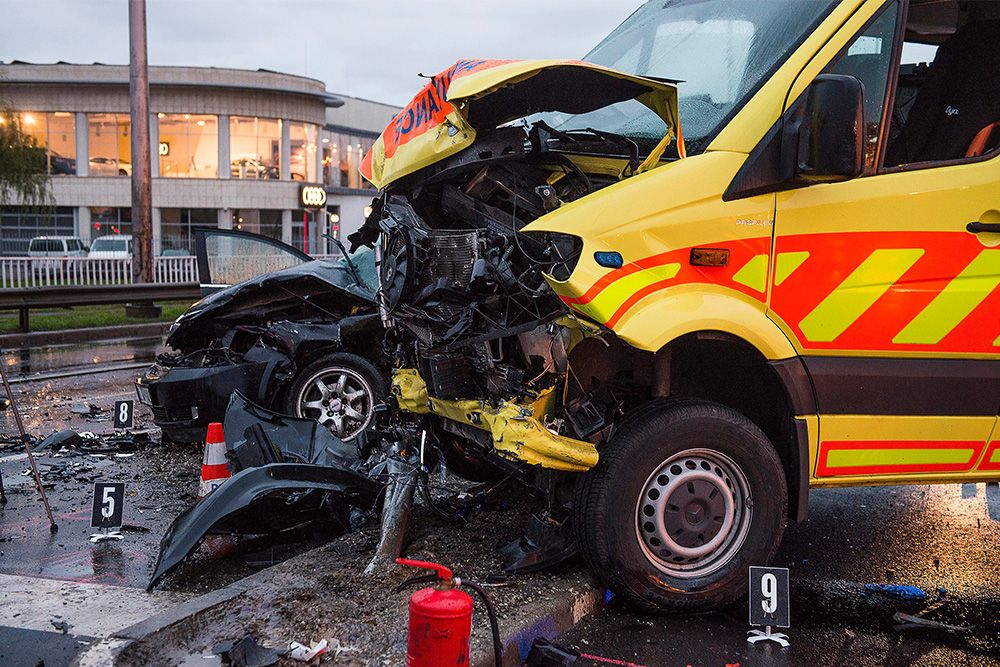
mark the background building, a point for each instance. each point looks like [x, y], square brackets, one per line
[230, 149]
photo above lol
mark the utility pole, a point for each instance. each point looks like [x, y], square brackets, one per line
[142, 195]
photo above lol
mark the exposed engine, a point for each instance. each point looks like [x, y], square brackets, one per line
[462, 286]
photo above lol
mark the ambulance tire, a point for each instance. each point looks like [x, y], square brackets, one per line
[686, 496]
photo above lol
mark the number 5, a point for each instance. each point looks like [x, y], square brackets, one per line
[108, 502]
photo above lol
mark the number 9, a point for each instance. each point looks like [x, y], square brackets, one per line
[769, 588]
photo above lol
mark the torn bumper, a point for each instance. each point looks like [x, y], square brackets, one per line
[238, 495]
[517, 431]
[185, 399]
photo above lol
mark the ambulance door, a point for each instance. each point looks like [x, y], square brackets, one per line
[888, 292]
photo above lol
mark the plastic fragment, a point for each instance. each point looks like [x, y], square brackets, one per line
[303, 653]
[898, 591]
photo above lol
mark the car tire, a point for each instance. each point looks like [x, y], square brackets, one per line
[337, 409]
[686, 496]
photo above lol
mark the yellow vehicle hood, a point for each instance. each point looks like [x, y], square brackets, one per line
[476, 95]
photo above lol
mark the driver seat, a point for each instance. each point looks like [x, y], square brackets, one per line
[958, 106]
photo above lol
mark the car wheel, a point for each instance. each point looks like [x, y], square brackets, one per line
[339, 391]
[686, 496]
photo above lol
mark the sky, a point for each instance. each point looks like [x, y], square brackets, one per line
[365, 48]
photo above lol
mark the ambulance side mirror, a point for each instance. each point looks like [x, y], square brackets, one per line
[828, 130]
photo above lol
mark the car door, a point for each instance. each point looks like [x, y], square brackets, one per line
[890, 296]
[226, 257]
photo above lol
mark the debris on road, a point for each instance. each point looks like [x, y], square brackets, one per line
[906, 622]
[302, 653]
[909, 593]
[246, 652]
[85, 409]
[61, 626]
[547, 654]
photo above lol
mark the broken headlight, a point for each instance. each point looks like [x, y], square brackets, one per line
[562, 251]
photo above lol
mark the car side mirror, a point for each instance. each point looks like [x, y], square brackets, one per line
[828, 130]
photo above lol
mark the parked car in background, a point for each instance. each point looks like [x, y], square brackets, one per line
[293, 334]
[106, 166]
[48, 253]
[112, 246]
[60, 164]
[254, 168]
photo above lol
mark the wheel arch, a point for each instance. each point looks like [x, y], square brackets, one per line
[724, 368]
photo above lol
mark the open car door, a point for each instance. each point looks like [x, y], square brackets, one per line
[227, 257]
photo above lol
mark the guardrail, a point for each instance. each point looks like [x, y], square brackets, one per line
[35, 272]
[64, 296]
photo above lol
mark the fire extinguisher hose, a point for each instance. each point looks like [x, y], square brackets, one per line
[494, 624]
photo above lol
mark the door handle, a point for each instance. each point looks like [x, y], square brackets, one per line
[983, 227]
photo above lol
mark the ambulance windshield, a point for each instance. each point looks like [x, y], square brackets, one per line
[720, 50]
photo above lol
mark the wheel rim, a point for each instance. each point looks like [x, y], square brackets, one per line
[339, 398]
[694, 513]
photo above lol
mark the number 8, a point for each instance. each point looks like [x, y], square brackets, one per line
[123, 412]
[769, 587]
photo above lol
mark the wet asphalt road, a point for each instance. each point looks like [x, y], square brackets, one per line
[943, 539]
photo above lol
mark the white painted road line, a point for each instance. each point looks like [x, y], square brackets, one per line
[93, 610]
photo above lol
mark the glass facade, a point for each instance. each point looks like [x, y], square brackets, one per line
[106, 220]
[177, 227]
[56, 133]
[302, 140]
[110, 144]
[255, 147]
[265, 222]
[307, 231]
[188, 146]
[20, 224]
[342, 154]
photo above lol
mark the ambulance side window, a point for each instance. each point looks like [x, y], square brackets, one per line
[869, 58]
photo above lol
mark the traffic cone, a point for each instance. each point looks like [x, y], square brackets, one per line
[214, 470]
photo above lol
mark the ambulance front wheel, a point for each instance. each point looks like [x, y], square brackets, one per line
[686, 496]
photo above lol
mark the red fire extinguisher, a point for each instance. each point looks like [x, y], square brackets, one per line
[441, 619]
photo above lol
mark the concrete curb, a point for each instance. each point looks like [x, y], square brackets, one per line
[547, 618]
[550, 619]
[177, 620]
[76, 336]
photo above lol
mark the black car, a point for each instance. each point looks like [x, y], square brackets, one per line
[297, 337]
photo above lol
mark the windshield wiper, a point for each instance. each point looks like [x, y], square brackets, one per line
[621, 140]
[347, 259]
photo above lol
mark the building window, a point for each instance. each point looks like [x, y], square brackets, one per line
[106, 220]
[55, 132]
[264, 222]
[307, 231]
[177, 227]
[342, 155]
[20, 224]
[302, 137]
[188, 145]
[255, 147]
[110, 144]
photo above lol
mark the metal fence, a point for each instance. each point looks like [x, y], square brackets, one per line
[25, 272]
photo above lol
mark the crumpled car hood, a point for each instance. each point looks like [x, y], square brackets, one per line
[305, 280]
[476, 95]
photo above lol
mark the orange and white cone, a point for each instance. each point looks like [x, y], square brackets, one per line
[214, 470]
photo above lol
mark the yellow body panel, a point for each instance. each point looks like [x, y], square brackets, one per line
[887, 445]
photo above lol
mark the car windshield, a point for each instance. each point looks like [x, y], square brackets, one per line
[109, 245]
[364, 263]
[720, 51]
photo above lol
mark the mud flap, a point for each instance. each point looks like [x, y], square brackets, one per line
[247, 487]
